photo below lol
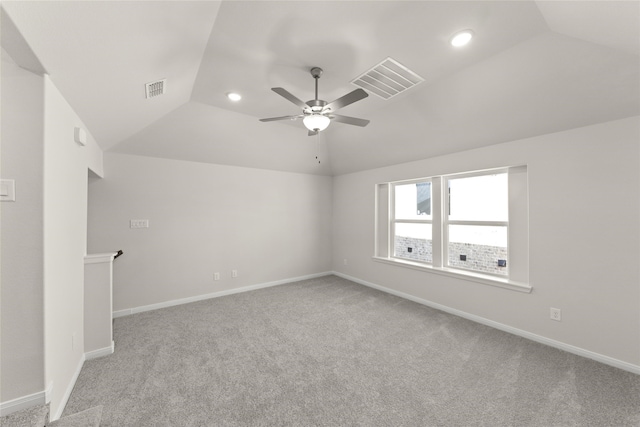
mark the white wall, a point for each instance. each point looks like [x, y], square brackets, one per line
[584, 210]
[66, 165]
[22, 346]
[206, 218]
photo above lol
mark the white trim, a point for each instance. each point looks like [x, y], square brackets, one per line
[67, 393]
[24, 402]
[459, 274]
[106, 351]
[48, 393]
[481, 172]
[140, 309]
[413, 221]
[478, 223]
[518, 211]
[99, 258]
[505, 328]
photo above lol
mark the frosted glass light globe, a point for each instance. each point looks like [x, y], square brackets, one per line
[316, 122]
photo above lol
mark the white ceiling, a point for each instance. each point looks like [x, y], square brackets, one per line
[533, 68]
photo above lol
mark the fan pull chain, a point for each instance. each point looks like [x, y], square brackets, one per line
[318, 146]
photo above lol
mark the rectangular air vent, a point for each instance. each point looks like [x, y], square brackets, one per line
[387, 79]
[156, 88]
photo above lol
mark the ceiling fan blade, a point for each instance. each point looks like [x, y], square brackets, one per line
[273, 119]
[349, 98]
[349, 120]
[288, 95]
[312, 133]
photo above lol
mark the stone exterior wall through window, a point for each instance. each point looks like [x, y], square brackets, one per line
[480, 258]
[412, 248]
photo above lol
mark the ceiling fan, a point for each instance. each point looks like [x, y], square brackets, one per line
[317, 114]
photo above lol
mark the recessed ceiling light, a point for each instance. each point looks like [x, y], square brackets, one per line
[234, 96]
[461, 38]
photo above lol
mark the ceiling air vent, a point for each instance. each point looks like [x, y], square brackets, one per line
[388, 79]
[156, 88]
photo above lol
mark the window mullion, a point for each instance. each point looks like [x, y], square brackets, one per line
[486, 223]
[436, 216]
[413, 221]
[392, 221]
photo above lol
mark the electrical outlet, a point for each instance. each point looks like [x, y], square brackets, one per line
[216, 276]
[555, 314]
[234, 273]
[345, 261]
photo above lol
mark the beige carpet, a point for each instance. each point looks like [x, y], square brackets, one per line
[329, 352]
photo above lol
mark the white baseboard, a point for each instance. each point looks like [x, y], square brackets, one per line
[67, 394]
[44, 397]
[134, 310]
[94, 354]
[24, 402]
[515, 331]
[36, 399]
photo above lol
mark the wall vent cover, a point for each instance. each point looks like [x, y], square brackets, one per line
[156, 88]
[387, 79]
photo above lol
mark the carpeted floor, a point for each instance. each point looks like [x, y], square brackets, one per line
[329, 352]
[35, 416]
[87, 418]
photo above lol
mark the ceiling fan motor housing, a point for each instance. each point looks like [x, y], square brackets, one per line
[316, 105]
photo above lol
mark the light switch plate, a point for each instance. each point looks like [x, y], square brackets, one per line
[7, 190]
[139, 223]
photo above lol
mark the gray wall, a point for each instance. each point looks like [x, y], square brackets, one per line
[203, 219]
[584, 231]
[22, 348]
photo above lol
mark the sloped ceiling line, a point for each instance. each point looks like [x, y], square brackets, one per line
[534, 68]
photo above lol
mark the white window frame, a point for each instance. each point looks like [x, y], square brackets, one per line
[517, 226]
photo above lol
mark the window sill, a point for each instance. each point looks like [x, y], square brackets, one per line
[458, 274]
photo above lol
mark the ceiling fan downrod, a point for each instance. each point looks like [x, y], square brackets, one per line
[316, 72]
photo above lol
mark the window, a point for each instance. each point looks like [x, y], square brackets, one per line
[472, 224]
[476, 225]
[411, 221]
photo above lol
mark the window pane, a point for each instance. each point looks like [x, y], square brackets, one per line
[479, 198]
[413, 241]
[413, 201]
[479, 248]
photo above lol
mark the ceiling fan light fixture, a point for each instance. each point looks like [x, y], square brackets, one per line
[317, 114]
[461, 38]
[316, 122]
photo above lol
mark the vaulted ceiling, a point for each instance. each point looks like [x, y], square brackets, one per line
[532, 68]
